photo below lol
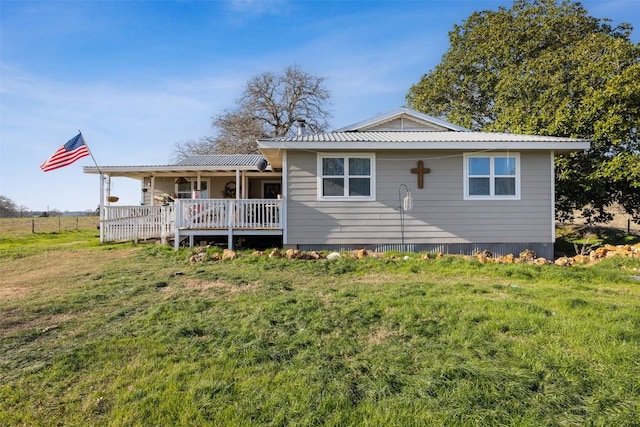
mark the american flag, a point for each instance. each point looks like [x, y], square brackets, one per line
[73, 150]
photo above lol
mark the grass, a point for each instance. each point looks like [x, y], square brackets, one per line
[136, 335]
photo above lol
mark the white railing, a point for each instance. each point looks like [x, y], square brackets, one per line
[229, 213]
[137, 222]
[121, 223]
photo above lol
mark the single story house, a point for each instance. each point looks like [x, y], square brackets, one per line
[402, 180]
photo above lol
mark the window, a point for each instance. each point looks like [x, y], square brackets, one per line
[189, 190]
[495, 176]
[346, 177]
[271, 189]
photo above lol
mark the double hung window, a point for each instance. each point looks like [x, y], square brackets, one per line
[348, 177]
[494, 176]
[189, 189]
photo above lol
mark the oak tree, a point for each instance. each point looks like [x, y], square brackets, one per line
[271, 105]
[548, 68]
[8, 209]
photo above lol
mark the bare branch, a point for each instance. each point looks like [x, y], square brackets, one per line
[269, 106]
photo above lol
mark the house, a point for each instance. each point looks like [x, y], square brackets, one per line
[403, 180]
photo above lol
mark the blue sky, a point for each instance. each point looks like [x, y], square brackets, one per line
[137, 77]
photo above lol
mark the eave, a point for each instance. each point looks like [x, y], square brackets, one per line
[273, 150]
[168, 170]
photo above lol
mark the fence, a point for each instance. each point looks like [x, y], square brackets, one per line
[16, 227]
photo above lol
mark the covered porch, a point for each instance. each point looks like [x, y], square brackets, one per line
[201, 196]
[186, 219]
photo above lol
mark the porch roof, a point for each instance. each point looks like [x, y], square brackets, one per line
[189, 165]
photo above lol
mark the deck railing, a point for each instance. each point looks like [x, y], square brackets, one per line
[122, 223]
[229, 213]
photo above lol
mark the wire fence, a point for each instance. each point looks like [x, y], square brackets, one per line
[16, 227]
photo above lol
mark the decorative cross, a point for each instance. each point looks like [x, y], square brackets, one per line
[420, 171]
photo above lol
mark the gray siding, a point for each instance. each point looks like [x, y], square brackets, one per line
[440, 214]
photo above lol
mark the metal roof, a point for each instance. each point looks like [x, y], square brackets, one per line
[415, 140]
[223, 160]
[418, 136]
[191, 164]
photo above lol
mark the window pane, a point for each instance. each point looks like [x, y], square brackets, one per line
[203, 193]
[184, 190]
[359, 187]
[479, 165]
[505, 165]
[359, 166]
[479, 186]
[505, 186]
[333, 166]
[333, 187]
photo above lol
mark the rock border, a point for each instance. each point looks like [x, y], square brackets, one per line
[484, 257]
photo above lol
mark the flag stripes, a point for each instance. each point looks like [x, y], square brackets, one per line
[73, 150]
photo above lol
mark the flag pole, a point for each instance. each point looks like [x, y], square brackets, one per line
[101, 214]
[89, 149]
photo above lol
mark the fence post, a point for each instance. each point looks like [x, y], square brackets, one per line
[33, 226]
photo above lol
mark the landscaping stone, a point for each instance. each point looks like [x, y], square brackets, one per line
[229, 255]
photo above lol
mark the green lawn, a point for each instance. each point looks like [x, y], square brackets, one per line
[123, 335]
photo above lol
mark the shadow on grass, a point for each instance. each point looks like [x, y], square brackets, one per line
[572, 239]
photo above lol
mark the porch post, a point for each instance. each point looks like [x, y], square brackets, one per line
[153, 190]
[108, 189]
[245, 185]
[231, 213]
[238, 184]
[101, 213]
[176, 224]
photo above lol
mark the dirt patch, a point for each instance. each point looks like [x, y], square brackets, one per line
[381, 335]
[14, 324]
[23, 276]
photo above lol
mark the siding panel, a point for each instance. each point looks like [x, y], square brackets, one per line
[440, 214]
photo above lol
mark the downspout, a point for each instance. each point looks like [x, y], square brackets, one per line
[553, 196]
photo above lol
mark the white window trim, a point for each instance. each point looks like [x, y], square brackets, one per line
[370, 156]
[492, 176]
[194, 186]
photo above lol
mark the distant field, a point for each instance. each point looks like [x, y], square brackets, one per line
[18, 227]
[621, 220]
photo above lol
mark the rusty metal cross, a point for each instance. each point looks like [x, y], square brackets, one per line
[420, 171]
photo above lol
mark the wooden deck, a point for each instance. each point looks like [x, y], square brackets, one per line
[189, 218]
